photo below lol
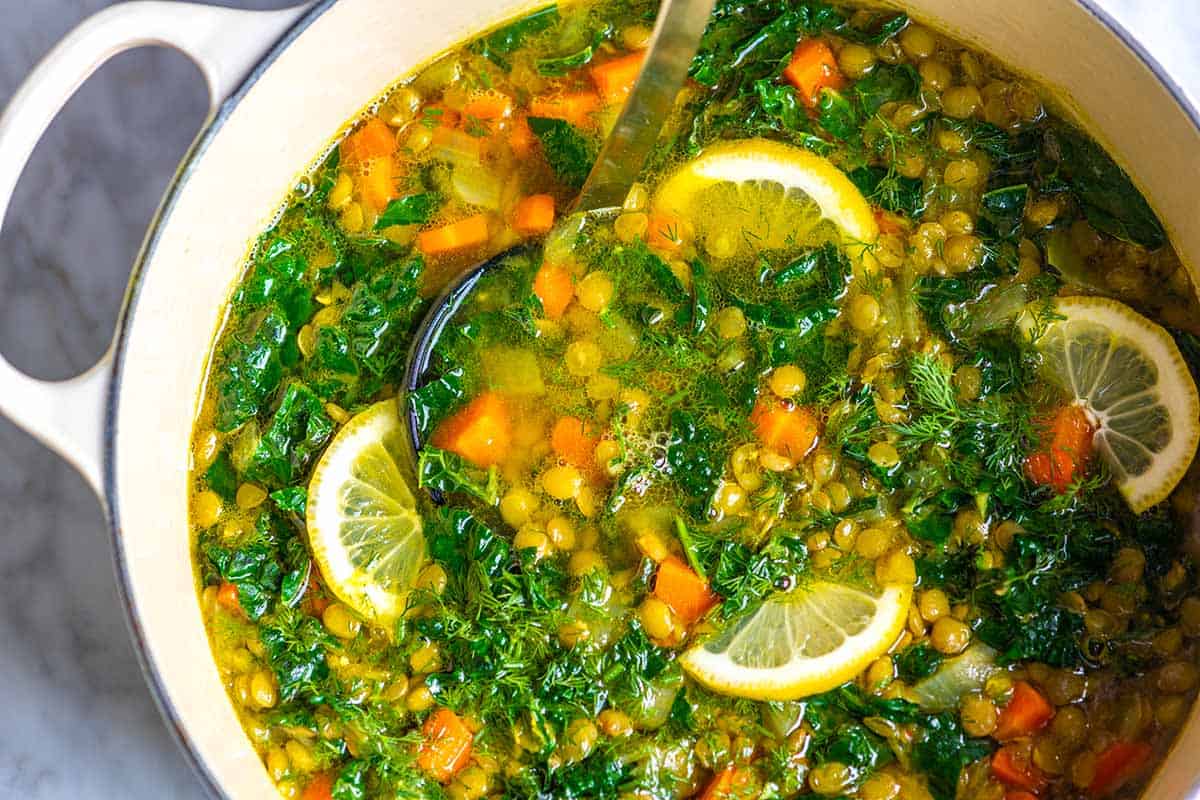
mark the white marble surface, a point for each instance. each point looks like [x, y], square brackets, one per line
[78, 721]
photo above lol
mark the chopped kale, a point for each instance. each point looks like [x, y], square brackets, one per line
[297, 432]
[1108, 196]
[413, 209]
[448, 473]
[570, 153]
[942, 750]
[918, 661]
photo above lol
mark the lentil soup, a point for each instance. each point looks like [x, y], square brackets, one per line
[850, 458]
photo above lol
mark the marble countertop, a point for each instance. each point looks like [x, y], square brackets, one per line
[79, 721]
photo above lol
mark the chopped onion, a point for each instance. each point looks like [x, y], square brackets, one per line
[458, 147]
[477, 186]
[958, 676]
[654, 707]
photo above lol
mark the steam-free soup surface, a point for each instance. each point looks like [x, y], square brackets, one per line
[739, 493]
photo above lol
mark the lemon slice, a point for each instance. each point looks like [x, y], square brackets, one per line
[363, 527]
[1128, 375]
[802, 643]
[756, 194]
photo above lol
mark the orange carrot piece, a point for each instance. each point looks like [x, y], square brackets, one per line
[534, 215]
[574, 442]
[447, 745]
[373, 140]
[731, 783]
[480, 432]
[521, 138]
[576, 108]
[614, 79]
[889, 222]
[488, 106]
[319, 788]
[1070, 450]
[440, 116]
[785, 428]
[555, 288]
[378, 183]
[1119, 762]
[688, 595]
[228, 598]
[666, 233]
[813, 67]
[1027, 712]
[1012, 767]
[455, 237]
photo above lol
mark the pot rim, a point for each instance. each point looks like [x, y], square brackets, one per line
[154, 679]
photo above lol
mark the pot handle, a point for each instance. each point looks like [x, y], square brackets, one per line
[69, 416]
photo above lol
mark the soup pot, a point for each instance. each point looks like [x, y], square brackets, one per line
[281, 84]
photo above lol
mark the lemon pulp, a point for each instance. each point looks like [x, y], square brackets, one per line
[1128, 375]
[751, 195]
[808, 641]
[364, 529]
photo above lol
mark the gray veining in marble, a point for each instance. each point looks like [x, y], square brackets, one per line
[77, 720]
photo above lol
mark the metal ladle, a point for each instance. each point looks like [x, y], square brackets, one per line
[673, 44]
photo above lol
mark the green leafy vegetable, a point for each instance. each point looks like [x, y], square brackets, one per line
[836, 115]
[297, 432]
[889, 190]
[221, 477]
[918, 661]
[251, 366]
[447, 472]
[886, 83]
[570, 153]
[942, 751]
[507, 40]
[413, 209]
[293, 498]
[1109, 199]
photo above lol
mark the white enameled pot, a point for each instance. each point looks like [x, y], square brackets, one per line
[282, 83]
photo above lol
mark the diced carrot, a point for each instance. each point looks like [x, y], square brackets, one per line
[228, 598]
[813, 67]
[1022, 795]
[574, 443]
[889, 222]
[441, 116]
[1026, 712]
[666, 233]
[319, 788]
[1120, 762]
[373, 140]
[378, 183]
[480, 432]
[534, 215]
[555, 288]
[317, 604]
[455, 237]
[488, 106]
[614, 79]
[731, 783]
[1012, 766]
[688, 595]
[447, 745]
[576, 108]
[521, 138]
[785, 428]
[1071, 434]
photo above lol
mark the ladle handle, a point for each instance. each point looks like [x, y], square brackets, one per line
[673, 44]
